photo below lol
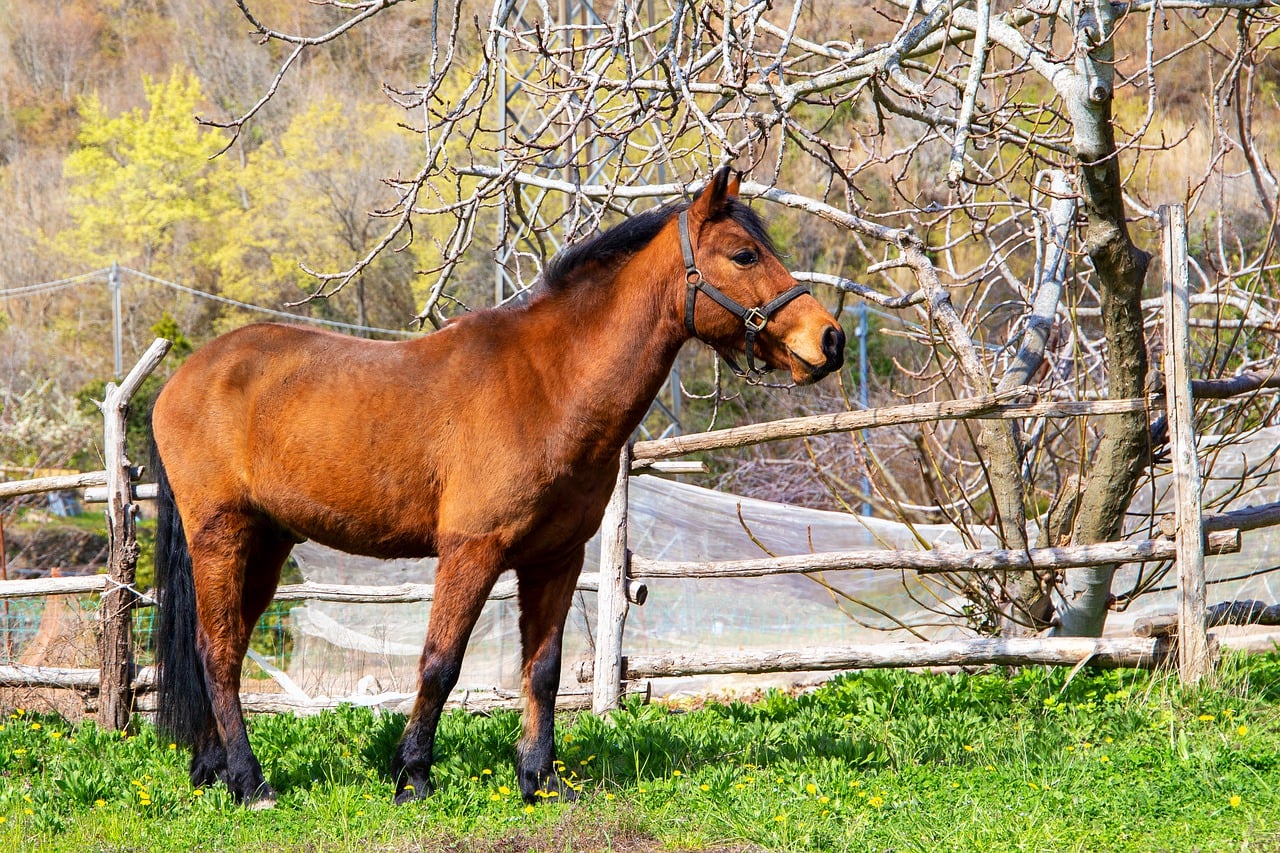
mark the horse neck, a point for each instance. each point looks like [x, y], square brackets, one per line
[619, 339]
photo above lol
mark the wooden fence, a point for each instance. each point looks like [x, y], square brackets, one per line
[620, 581]
[613, 668]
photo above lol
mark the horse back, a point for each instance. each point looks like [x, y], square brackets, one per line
[382, 448]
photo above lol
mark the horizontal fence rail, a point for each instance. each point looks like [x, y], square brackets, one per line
[933, 562]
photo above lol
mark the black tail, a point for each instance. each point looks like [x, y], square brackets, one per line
[184, 712]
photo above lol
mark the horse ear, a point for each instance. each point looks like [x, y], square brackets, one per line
[735, 182]
[722, 187]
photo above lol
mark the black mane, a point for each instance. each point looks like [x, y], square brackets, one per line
[633, 234]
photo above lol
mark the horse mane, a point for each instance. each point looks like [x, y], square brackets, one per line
[614, 246]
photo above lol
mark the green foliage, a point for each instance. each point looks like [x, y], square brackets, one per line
[1117, 760]
[137, 417]
[144, 188]
[167, 327]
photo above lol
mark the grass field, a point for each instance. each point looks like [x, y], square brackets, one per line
[1118, 760]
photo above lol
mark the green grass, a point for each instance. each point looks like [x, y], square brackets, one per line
[1118, 760]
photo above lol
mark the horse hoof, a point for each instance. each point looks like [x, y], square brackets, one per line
[409, 793]
[552, 789]
[263, 798]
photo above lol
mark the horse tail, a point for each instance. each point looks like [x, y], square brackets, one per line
[184, 712]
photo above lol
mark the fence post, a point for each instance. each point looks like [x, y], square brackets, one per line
[115, 692]
[611, 601]
[1194, 659]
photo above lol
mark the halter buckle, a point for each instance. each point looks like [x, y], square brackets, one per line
[755, 319]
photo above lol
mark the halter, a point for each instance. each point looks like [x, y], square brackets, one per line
[754, 319]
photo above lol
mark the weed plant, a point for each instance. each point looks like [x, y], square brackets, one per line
[1034, 760]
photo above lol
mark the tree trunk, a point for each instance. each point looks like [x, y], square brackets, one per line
[1122, 454]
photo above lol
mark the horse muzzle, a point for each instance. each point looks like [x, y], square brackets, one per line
[806, 371]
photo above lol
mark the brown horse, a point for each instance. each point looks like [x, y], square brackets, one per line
[492, 443]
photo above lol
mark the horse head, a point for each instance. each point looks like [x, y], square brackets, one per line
[741, 300]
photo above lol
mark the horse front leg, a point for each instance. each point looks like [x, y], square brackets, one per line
[464, 577]
[545, 592]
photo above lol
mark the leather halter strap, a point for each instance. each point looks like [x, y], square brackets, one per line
[753, 319]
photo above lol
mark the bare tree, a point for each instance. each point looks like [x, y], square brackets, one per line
[990, 168]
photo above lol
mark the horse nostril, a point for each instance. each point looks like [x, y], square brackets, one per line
[833, 346]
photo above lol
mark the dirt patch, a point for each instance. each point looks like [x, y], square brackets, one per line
[33, 552]
[573, 833]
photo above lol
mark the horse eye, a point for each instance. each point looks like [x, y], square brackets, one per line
[745, 258]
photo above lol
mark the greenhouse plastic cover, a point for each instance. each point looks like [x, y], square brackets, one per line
[345, 649]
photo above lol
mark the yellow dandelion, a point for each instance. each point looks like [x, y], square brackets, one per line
[1070, 748]
[28, 812]
[779, 818]
[475, 778]
[99, 803]
[368, 796]
[955, 784]
[1235, 801]
[1033, 786]
[504, 790]
[55, 735]
[568, 738]
[1107, 740]
[855, 784]
[528, 809]
[824, 800]
[198, 792]
[1204, 718]
[876, 802]
[173, 746]
[811, 789]
[486, 772]
[35, 727]
[968, 747]
[495, 796]
[739, 787]
[704, 787]
[676, 773]
[3, 819]
[1242, 731]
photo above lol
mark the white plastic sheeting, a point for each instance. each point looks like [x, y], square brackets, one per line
[340, 648]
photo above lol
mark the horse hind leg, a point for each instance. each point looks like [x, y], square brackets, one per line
[545, 594]
[465, 575]
[237, 565]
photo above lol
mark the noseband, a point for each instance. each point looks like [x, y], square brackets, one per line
[753, 319]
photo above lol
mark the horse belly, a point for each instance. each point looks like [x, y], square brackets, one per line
[353, 515]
